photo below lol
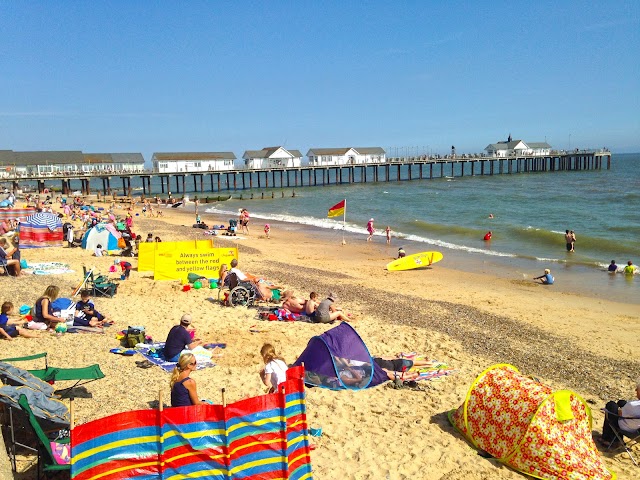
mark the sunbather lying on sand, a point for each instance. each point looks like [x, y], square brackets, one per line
[292, 303]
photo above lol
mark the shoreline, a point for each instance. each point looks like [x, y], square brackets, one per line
[467, 320]
[577, 279]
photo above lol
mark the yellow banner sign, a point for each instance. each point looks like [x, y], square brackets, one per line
[147, 251]
[178, 264]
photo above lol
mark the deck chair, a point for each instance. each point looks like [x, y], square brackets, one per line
[47, 463]
[5, 268]
[99, 285]
[51, 375]
[52, 413]
[623, 440]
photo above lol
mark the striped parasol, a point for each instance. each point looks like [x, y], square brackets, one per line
[49, 220]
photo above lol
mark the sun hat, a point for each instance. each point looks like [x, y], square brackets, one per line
[371, 219]
[546, 270]
[186, 319]
[332, 296]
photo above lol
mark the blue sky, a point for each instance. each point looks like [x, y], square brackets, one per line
[232, 76]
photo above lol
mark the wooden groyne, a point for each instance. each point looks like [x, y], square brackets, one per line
[393, 169]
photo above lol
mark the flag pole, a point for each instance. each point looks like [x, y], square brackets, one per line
[344, 221]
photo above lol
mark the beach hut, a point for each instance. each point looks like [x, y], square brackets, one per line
[529, 427]
[41, 230]
[104, 234]
[338, 359]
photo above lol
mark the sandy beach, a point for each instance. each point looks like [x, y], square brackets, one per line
[469, 321]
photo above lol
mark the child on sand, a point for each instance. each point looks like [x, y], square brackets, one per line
[90, 317]
[267, 229]
[9, 328]
[275, 371]
[311, 305]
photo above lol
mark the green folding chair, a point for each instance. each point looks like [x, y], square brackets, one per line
[47, 464]
[51, 375]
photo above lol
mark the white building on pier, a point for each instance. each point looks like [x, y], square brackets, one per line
[177, 162]
[67, 163]
[346, 156]
[272, 157]
[518, 148]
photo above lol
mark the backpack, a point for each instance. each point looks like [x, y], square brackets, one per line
[135, 335]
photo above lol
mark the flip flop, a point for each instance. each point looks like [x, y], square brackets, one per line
[145, 364]
[215, 345]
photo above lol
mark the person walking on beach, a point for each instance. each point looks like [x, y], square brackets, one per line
[267, 230]
[388, 232]
[370, 229]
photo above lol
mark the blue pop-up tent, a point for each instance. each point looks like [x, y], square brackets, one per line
[338, 359]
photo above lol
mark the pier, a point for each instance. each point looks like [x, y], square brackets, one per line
[393, 169]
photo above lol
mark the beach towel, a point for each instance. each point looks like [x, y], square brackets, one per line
[152, 353]
[282, 315]
[48, 268]
[434, 370]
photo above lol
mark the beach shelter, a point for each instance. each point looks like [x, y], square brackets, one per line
[338, 359]
[41, 230]
[104, 234]
[529, 427]
[13, 213]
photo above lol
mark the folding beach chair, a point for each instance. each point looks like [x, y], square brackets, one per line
[53, 414]
[622, 439]
[99, 285]
[51, 375]
[5, 269]
[47, 463]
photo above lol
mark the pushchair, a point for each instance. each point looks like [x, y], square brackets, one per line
[233, 226]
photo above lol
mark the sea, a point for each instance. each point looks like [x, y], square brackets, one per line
[530, 213]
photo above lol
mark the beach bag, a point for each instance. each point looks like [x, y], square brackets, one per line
[121, 243]
[135, 335]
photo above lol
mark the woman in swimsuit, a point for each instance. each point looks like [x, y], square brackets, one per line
[183, 387]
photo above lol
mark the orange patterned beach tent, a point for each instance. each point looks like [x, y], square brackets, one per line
[529, 427]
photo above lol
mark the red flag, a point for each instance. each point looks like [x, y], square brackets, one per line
[338, 209]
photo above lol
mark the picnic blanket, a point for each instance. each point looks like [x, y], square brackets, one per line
[48, 268]
[434, 370]
[152, 352]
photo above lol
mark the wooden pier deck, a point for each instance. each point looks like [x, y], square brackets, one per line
[394, 169]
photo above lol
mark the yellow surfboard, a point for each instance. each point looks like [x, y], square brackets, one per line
[417, 260]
